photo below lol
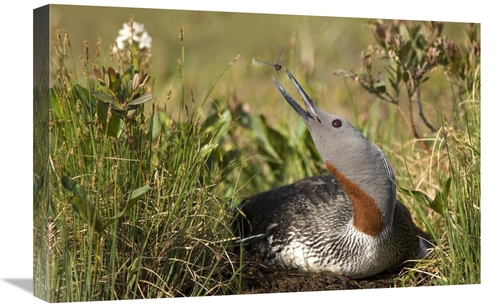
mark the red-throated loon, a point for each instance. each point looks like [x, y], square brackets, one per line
[349, 222]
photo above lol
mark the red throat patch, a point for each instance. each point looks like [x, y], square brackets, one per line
[367, 216]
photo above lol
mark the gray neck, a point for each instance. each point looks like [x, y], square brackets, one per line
[367, 168]
[376, 178]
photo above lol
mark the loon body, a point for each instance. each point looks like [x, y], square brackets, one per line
[348, 222]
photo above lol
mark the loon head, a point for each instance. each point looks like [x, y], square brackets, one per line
[358, 165]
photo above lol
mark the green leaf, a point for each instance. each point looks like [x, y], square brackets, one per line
[218, 123]
[113, 127]
[406, 76]
[81, 204]
[74, 187]
[279, 142]
[36, 189]
[115, 86]
[134, 198]
[136, 195]
[83, 95]
[259, 129]
[419, 196]
[55, 104]
[438, 204]
[103, 97]
[405, 34]
[140, 100]
[156, 126]
[87, 212]
[441, 200]
[112, 74]
[38, 185]
[380, 87]
[301, 132]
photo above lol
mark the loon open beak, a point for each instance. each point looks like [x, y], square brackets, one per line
[308, 114]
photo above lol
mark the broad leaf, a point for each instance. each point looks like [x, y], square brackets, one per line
[74, 187]
[140, 100]
[103, 97]
[258, 128]
[440, 201]
[134, 198]
[81, 204]
[114, 126]
[86, 211]
[438, 204]
[84, 96]
[218, 123]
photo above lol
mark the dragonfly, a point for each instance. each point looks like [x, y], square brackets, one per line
[276, 66]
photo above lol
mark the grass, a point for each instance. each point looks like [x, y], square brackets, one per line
[456, 257]
[136, 198]
[110, 243]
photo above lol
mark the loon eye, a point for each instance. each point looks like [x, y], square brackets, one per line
[337, 123]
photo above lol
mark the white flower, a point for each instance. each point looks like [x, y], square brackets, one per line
[145, 40]
[128, 35]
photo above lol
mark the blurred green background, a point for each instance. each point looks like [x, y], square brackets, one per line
[313, 48]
